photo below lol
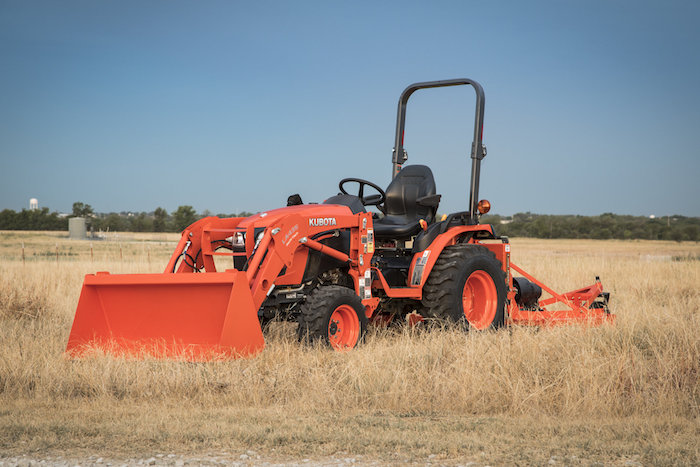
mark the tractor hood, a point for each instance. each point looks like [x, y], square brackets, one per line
[318, 214]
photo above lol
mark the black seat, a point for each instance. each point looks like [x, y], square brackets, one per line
[410, 197]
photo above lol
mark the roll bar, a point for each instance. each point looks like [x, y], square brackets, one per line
[478, 149]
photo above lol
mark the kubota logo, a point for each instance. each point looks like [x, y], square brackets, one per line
[322, 221]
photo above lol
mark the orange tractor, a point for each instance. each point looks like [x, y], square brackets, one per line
[332, 267]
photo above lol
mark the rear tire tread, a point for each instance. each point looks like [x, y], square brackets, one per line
[442, 292]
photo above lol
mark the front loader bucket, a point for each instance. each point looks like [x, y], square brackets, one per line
[189, 316]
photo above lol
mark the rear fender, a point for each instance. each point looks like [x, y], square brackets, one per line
[423, 261]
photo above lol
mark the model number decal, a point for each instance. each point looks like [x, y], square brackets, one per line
[293, 232]
[419, 267]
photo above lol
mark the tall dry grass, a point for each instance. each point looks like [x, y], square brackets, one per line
[646, 366]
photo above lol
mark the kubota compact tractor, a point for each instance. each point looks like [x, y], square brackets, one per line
[332, 267]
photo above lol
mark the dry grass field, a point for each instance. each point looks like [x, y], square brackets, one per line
[626, 394]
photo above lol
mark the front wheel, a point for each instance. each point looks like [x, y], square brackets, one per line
[467, 285]
[334, 315]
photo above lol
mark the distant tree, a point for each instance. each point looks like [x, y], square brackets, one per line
[36, 219]
[115, 222]
[82, 209]
[692, 232]
[677, 235]
[8, 220]
[184, 216]
[160, 218]
[141, 223]
[493, 219]
[602, 234]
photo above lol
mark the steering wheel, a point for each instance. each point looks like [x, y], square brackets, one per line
[371, 200]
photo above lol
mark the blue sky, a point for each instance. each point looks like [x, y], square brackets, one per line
[591, 106]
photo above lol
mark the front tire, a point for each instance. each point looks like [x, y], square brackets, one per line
[467, 286]
[333, 315]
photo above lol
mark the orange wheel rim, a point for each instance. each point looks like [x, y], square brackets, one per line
[480, 300]
[343, 328]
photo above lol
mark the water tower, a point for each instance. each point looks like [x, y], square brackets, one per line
[33, 204]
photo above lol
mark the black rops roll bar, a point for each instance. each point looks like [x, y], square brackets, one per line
[478, 149]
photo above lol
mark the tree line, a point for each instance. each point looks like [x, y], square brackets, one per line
[606, 226]
[158, 220]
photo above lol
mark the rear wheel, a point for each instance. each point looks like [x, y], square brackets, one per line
[466, 286]
[334, 315]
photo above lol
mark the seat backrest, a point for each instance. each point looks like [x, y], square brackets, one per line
[410, 184]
